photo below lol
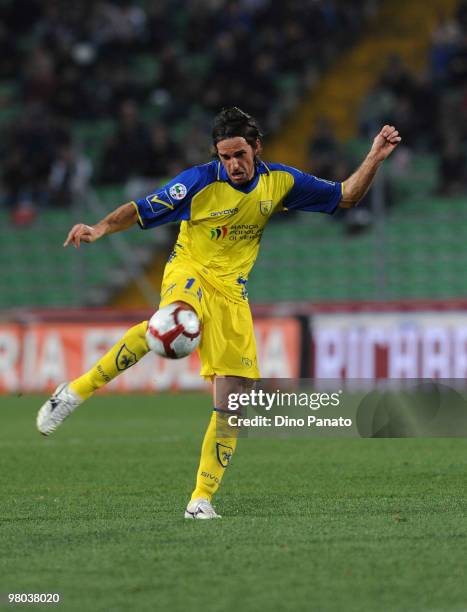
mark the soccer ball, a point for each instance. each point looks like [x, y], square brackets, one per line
[174, 331]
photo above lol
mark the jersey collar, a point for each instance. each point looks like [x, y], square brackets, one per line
[261, 168]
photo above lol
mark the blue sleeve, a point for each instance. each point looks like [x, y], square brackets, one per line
[171, 202]
[312, 194]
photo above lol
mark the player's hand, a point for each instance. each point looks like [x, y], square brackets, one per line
[81, 233]
[385, 142]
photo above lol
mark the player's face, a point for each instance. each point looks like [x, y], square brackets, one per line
[238, 158]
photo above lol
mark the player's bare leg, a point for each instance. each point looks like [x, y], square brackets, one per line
[218, 447]
[68, 396]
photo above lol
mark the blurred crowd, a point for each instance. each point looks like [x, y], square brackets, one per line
[143, 79]
[158, 71]
[429, 109]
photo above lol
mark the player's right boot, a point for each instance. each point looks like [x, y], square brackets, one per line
[56, 409]
[200, 508]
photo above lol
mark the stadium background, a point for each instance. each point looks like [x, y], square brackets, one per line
[102, 101]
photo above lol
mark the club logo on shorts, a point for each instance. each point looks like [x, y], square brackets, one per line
[247, 362]
[125, 358]
[219, 232]
[265, 207]
[177, 191]
[224, 454]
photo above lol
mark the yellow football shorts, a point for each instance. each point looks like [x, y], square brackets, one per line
[228, 345]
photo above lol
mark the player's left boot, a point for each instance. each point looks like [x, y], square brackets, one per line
[200, 508]
[56, 409]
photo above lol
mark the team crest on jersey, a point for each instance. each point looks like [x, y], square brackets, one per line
[156, 198]
[125, 358]
[265, 207]
[224, 454]
[177, 191]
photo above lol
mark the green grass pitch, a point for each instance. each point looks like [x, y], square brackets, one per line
[95, 513]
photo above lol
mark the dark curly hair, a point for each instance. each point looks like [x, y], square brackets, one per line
[232, 122]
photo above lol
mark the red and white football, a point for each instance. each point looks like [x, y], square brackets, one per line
[174, 331]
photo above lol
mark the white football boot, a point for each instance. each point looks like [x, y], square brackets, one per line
[200, 508]
[56, 409]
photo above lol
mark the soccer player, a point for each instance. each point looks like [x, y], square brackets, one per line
[223, 207]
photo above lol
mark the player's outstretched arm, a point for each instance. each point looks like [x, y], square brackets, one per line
[356, 186]
[120, 219]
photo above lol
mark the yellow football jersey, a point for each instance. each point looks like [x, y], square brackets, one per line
[222, 223]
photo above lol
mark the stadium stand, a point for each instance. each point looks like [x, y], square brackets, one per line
[423, 253]
[91, 85]
[36, 272]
